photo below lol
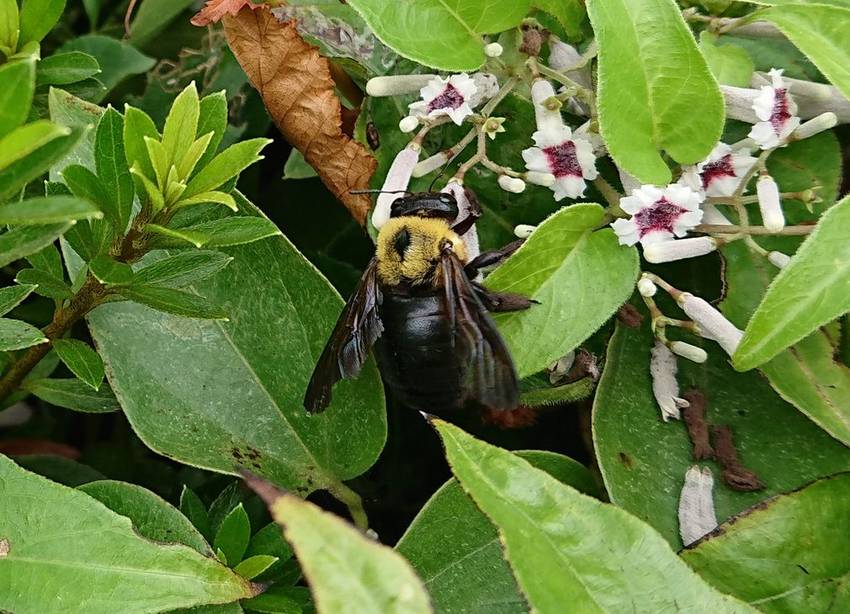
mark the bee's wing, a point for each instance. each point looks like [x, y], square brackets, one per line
[358, 327]
[492, 377]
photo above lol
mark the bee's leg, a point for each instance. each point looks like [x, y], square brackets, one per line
[502, 301]
[474, 214]
[491, 258]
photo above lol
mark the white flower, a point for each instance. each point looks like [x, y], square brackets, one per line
[696, 505]
[408, 124]
[663, 368]
[397, 180]
[562, 55]
[712, 215]
[770, 204]
[450, 96]
[816, 125]
[547, 115]
[570, 159]
[712, 324]
[486, 86]
[668, 251]
[646, 287]
[658, 214]
[494, 126]
[691, 352]
[511, 184]
[547, 180]
[394, 85]
[523, 231]
[493, 50]
[720, 174]
[430, 164]
[470, 237]
[777, 112]
[778, 259]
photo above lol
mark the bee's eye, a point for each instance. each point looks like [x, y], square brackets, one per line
[401, 242]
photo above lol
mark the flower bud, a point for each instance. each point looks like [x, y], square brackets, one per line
[712, 324]
[562, 55]
[778, 259]
[696, 505]
[395, 85]
[523, 231]
[665, 388]
[430, 164]
[397, 179]
[408, 124]
[769, 204]
[668, 251]
[647, 287]
[511, 184]
[537, 178]
[691, 352]
[493, 50]
[816, 125]
[547, 119]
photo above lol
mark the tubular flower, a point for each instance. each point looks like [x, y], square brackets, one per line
[451, 96]
[770, 204]
[470, 238]
[658, 214]
[696, 505]
[712, 324]
[720, 174]
[663, 368]
[777, 112]
[569, 158]
[668, 251]
[397, 179]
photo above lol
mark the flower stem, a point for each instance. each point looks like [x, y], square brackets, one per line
[353, 502]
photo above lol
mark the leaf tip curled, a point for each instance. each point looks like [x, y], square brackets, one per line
[264, 489]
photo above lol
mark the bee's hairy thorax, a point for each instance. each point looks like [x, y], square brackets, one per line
[410, 248]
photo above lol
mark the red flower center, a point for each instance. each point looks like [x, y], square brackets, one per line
[659, 217]
[563, 160]
[780, 113]
[717, 170]
[449, 98]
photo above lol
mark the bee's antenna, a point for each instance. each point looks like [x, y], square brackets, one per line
[444, 169]
[380, 192]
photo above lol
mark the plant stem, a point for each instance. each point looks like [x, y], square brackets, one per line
[353, 502]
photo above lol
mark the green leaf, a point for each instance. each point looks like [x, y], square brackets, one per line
[181, 125]
[296, 167]
[233, 535]
[177, 237]
[112, 169]
[194, 509]
[216, 198]
[48, 285]
[153, 16]
[819, 32]
[85, 184]
[173, 301]
[9, 27]
[729, 64]
[797, 565]
[569, 13]
[408, 28]
[347, 571]
[811, 291]
[109, 271]
[24, 140]
[579, 275]
[17, 335]
[17, 175]
[254, 566]
[38, 18]
[12, 296]
[66, 68]
[545, 527]
[281, 600]
[152, 516]
[456, 550]
[213, 119]
[643, 460]
[230, 231]
[157, 200]
[117, 59]
[72, 542]
[243, 410]
[48, 210]
[82, 360]
[655, 90]
[18, 84]
[225, 166]
[182, 269]
[22, 241]
[269, 541]
[189, 162]
[73, 394]
[137, 126]
[59, 469]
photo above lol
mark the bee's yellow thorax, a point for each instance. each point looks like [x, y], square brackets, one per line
[409, 250]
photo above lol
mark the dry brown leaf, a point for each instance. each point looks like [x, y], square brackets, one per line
[296, 86]
[215, 10]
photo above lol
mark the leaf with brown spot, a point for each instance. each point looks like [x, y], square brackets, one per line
[296, 85]
[215, 10]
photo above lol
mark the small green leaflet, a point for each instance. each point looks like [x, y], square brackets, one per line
[73, 394]
[82, 360]
[17, 335]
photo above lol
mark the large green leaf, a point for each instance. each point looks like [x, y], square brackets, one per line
[153, 16]
[74, 554]
[21, 241]
[12, 296]
[655, 90]
[579, 275]
[112, 169]
[643, 460]
[788, 555]
[24, 140]
[117, 59]
[152, 516]
[17, 81]
[811, 291]
[66, 68]
[38, 18]
[48, 210]
[347, 571]
[820, 32]
[567, 548]
[569, 13]
[239, 402]
[457, 551]
[445, 34]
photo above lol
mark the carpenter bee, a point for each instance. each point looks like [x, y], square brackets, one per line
[437, 348]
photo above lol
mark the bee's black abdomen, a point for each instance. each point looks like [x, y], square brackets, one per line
[417, 360]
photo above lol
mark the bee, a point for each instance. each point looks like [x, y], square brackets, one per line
[437, 347]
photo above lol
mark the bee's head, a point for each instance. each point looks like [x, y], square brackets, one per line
[425, 204]
[410, 249]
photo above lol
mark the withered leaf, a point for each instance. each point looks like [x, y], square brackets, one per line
[296, 85]
[215, 10]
